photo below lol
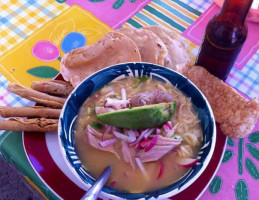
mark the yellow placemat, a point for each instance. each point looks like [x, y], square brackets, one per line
[25, 63]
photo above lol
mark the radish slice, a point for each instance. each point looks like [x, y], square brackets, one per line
[167, 126]
[144, 143]
[113, 183]
[141, 167]
[172, 131]
[186, 162]
[106, 143]
[151, 143]
[161, 169]
[142, 134]
[138, 146]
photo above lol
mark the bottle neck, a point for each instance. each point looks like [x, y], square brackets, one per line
[237, 9]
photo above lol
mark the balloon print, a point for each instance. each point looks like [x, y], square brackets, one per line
[45, 51]
[72, 41]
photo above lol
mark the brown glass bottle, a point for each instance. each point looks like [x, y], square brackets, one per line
[224, 37]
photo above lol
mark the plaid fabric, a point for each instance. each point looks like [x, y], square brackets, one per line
[247, 79]
[10, 99]
[198, 4]
[19, 19]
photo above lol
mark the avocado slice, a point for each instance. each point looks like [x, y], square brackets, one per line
[148, 116]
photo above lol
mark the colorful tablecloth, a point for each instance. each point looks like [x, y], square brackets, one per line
[34, 35]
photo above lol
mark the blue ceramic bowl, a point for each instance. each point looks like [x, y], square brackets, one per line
[100, 79]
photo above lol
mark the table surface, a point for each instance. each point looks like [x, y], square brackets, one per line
[25, 24]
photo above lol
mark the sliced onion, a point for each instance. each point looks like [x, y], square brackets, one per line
[158, 131]
[122, 136]
[131, 135]
[172, 131]
[142, 134]
[123, 93]
[148, 133]
[106, 143]
[107, 130]
[151, 143]
[116, 103]
[141, 167]
[136, 133]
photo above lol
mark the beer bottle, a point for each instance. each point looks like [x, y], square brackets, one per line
[224, 37]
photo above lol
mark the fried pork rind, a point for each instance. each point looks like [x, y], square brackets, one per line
[237, 115]
[177, 53]
[113, 48]
[151, 47]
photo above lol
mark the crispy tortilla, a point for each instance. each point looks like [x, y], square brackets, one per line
[151, 47]
[177, 53]
[113, 48]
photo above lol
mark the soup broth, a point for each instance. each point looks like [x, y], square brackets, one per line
[125, 177]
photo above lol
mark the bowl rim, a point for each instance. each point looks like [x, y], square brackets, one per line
[161, 196]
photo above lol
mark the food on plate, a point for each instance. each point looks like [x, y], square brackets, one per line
[37, 124]
[38, 97]
[44, 117]
[148, 116]
[151, 47]
[29, 111]
[112, 48]
[235, 114]
[142, 159]
[53, 87]
[177, 53]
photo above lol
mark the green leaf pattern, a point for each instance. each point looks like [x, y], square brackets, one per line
[43, 72]
[117, 4]
[254, 137]
[230, 142]
[227, 156]
[215, 185]
[253, 151]
[61, 1]
[241, 190]
[252, 169]
[96, 0]
[241, 187]
[240, 155]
